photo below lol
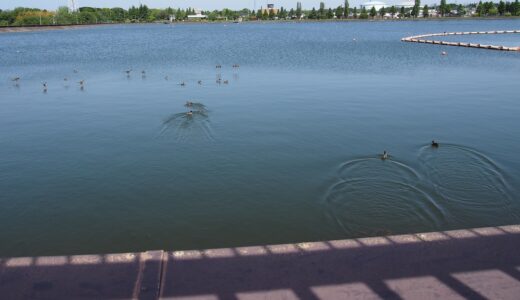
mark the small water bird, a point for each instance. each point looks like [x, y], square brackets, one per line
[143, 72]
[190, 113]
[128, 72]
[65, 79]
[44, 86]
[15, 79]
[236, 66]
[435, 144]
[199, 82]
[384, 155]
[226, 81]
[75, 71]
[218, 66]
[166, 77]
[81, 82]
[444, 53]
[182, 83]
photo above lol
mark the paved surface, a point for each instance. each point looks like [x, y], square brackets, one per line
[479, 263]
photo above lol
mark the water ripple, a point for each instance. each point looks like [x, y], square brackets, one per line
[370, 192]
[466, 178]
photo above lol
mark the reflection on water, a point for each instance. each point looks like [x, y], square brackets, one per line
[370, 192]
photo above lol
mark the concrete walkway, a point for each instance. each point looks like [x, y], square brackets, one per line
[481, 263]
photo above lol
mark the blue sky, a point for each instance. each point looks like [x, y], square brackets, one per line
[204, 4]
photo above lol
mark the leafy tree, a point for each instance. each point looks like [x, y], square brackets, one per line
[265, 15]
[373, 12]
[501, 8]
[321, 12]
[461, 10]
[346, 8]
[339, 12]
[363, 14]
[426, 11]
[330, 13]
[443, 8]
[354, 13]
[393, 11]
[382, 11]
[313, 14]
[416, 7]
[298, 10]
[402, 12]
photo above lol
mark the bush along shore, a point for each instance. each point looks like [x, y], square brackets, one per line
[22, 16]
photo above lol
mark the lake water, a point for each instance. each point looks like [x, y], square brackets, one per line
[286, 151]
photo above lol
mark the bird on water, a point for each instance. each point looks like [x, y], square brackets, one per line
[384, 155]
[444, 53]
[435, 144]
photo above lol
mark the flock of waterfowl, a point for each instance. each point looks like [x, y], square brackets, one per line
[386, 156]
[128, 72]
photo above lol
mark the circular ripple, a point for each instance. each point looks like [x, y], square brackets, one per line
[379, 197]
[467, 179]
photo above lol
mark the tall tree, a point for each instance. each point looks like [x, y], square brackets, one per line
[339, 12]
[382, 12]
[443, 7]
[373, 12]
[425, 11]
[321, 12]
[393, 10]
[347, 11]
[298, 10]
[416, 7]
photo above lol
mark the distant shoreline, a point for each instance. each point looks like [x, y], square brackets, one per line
[12, 29]
[32, 28]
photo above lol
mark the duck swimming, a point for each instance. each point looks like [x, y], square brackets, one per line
[435, 144]
[384, 155]
[190, 113]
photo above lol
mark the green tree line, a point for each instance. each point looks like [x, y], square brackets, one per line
[89, 15]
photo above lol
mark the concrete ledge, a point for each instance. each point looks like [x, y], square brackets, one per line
[479, 263]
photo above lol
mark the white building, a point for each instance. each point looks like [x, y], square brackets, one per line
[375, 4]
[198, 15]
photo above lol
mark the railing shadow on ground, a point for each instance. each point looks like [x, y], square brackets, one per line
[479, 263]
[473, 264]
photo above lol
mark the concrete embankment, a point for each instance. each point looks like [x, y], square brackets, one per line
[423, 39]
[481, 263]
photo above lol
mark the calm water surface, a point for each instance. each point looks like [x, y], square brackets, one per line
[287, 151]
